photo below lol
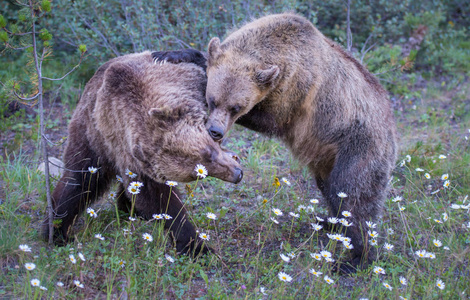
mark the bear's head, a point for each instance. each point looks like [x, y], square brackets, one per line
[165, 113]
[236, 82]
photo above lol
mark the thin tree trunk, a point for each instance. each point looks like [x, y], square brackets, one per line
[45, 156]
[348, 29]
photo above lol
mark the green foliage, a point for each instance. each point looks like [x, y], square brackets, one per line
[46, 5]
[3, 22]
[3, 36]
[45, 35]
[82, 48]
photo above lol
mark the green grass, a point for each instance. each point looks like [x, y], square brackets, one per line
[247, 243]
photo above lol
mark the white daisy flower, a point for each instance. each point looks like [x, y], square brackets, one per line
[371, 225]
[82, 257]
[169, 258]
[316, 227]
[325, 254]
[204, 236]
[99, 236]
[316, 273]
[314, 201]
[445, 217]
[78, 284]
[421, 253]
[292, 214]
[201, 171]
[285, 181]
[285, 257]
[35, 282]
[136, 184]
[130, 173]
[211, 216]
[274, 220]
[277, 212]
[378, 270]
[284, 277]
[133, 190]
[147, 237]
[342, 195]
[25, 248]
[403, 280]
[30, 266]
[91, 212]
[440, 284]
[92, 170]
[328, 279]
[333, 220]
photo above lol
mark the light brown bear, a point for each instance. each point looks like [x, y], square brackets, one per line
[149, 119]
[282, 77]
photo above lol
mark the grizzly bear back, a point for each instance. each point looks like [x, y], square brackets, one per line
[113, 112]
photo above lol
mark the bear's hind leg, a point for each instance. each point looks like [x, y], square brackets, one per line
[77, 189]
[364, 182]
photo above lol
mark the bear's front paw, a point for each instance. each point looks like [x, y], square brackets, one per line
[179, 56]
[195, 248]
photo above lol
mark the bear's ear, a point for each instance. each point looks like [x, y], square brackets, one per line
[266, 77]
[213, 49]
[166, 115]
[121, 79]
[163, 115]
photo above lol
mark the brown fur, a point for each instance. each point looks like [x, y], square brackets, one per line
[147, 118]
[286, 79]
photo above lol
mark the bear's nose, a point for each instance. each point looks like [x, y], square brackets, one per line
[240, 175]
[216, 133]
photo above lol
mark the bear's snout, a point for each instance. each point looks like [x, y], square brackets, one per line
[216, 133]
[238, 175]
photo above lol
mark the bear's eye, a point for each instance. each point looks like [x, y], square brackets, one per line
[211, 102]
[235, 109]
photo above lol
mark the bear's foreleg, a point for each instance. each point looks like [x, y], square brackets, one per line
[77, 188]
[155, 198]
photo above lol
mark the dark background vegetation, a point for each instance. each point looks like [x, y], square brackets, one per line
[420, 51]
[439, 29]
[113, 28]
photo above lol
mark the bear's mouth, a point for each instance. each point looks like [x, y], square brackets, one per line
[235, 158]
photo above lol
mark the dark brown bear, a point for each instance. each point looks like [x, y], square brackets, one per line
[149, 119]
[280, 76]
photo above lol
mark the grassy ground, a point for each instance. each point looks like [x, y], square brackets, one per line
[432, 216]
